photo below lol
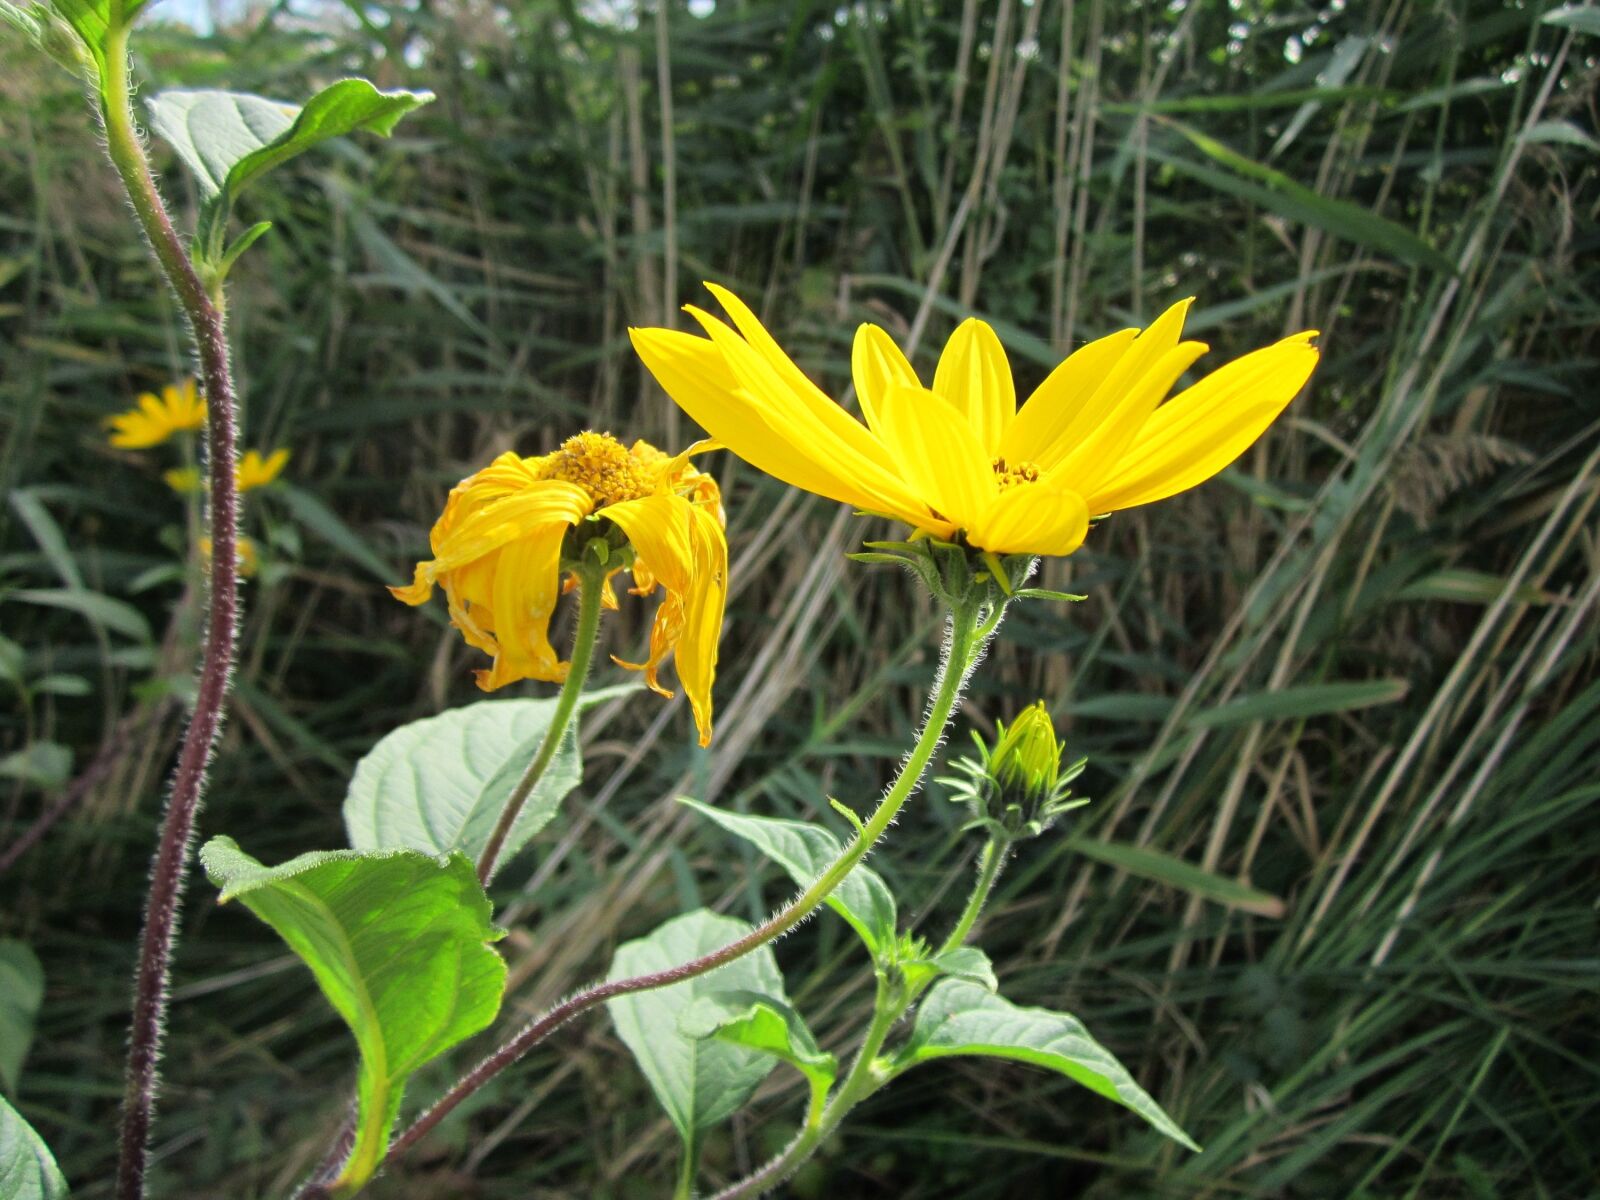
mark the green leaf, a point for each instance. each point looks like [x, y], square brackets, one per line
[1164, 868]
[1310, 700]
[230, 139]
[960, 1018]
[321, 520]
[805, 851]
[42, 764]
[1581, 18]
[963, 962]
[28, 1170]
[439, 784]
[21, 992]
[1272, 189]
[761, 1022]
[398, 942]
[699, 1083]
[1460, 585]
[115, 615]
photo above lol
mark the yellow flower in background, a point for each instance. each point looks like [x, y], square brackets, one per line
[155, 419]
[498, 546]
[186, 481]
[960, 458]
[245, 554]
[253, 471]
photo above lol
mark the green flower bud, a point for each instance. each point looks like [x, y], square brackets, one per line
[1017, 787]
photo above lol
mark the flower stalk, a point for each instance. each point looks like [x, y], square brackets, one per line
[204, 309]
[591, 587]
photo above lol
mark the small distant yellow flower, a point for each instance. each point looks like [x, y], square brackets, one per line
[246, 555]
[186, 481]
[153, 420]
[498, 544]
[961, 460]
[254, 471]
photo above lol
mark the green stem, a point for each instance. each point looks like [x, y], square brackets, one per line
[865, 1077]
[591, 586]
[963, 647]
[990, 861]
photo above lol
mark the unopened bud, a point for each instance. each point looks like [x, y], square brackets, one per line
[1017, 786]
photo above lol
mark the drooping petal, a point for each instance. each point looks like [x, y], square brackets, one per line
[877, 365]
[1206, 427]
[702, 618]
[1056, 403]
[547, 502]
[1033, 518]
[1096, 456]
[975, 377]
[527, 581]
[1141, 356]
[683, 548]
[938, 453]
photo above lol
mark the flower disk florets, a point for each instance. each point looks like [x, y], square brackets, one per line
[601, 466]
[1017, 787]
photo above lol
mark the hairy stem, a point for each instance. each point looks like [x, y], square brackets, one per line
[864, 1078]
[964, 643]
[167, 875]
[990, 861]
[591, 585]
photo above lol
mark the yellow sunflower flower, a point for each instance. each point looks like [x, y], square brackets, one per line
[498, 551]
[155, 419]
[253, 471]
[186, 481]
[960, 459]
[245, 554]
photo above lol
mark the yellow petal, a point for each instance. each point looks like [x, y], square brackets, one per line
[1057, 402]
[974, 376]
[1206, 427]
[1141, 356]
[547, 502]
[1033, 518]
[702, 624]
[527, 580]
[938, 453]
[684, 549]
[692, 371]
[1096, 457]
[876, 365]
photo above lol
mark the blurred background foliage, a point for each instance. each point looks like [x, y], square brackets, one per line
[1357, 673]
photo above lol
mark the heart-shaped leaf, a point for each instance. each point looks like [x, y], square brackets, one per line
[439, 784]
[805, 851]
[965, 1018]
[230, 139]
[767, 1024]
[698, 1082]
[398, 942]
[28, 1170]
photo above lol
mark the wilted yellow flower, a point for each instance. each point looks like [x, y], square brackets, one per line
[184, 480]
[245, 554]
[498, 548]
[961, 459]
[254, 471]
[155, 419]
